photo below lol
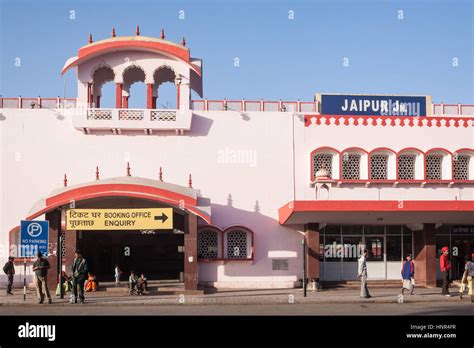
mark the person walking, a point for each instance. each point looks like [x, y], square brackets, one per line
[469, 275]
[79, 275]
[40, 267]
[364, 290]
[445, 266]
[9, 270]
[118, 274]
[408, 275]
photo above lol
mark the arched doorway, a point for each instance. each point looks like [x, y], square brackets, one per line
[155, 253]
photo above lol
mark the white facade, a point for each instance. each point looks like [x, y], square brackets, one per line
[249, 163]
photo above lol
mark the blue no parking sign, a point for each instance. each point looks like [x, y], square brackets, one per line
[34, 238]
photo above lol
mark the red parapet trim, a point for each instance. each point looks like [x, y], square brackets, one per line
[285, 212]
[383, 121]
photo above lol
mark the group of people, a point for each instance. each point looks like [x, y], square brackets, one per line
[41, 266]
[408, 275]
[137, 284]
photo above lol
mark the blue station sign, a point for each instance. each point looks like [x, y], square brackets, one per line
[373, 105]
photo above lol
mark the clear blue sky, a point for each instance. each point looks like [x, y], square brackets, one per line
[279, 57]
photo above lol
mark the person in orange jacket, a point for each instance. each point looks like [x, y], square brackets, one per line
[445, 266]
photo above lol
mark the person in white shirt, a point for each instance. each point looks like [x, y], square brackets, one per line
[364, 290]
[118, 273]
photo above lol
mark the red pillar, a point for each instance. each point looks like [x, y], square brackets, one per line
[190, 253]
[118, 96]
[149, 95]
[153, 103]
[125, 102]
[425, 255]
[89, 94]
[312, 253]
[97, 104]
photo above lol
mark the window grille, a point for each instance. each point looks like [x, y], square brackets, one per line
[378, 167]
[461, 167]
[208, 244]
[237, 244]
[321, 160]
[433, 167]
[406, 167]
[351, 167]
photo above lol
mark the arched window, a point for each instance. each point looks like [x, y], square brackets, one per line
[437, 165]
[382, 165]
[354, 164]
[238, 243]
[209, 242]
[102, 81]
[326, 158]
[134, 89]
[410, 165]
[463, 165]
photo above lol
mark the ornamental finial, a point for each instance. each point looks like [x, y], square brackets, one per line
[162, 36]
[113, 32]
[97, 172]
[128, 169]
[161, 174]
[190, 182]
[90, 38]
[65, 180]
[183, 42]
[137, 31]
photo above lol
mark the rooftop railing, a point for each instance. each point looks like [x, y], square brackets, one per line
[224, 105]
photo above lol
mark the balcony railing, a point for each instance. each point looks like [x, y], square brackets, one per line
[117, 120]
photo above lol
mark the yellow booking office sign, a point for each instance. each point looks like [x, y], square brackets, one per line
[119, 219]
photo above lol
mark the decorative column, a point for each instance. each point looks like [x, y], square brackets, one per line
[97, 104]
[89, 94]
[118, 96]
[178, 95]
[125, 101]
[54, 250]
[425, 255]
[312, 255]
[149, 95]
[190, 252]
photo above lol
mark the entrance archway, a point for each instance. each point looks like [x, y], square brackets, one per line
[127, 192]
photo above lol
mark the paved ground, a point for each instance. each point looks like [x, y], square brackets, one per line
[236, 302]
[458, 308]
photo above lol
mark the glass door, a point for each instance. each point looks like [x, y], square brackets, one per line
[375, 245]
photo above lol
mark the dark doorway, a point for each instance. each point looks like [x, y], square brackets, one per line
[156, 253]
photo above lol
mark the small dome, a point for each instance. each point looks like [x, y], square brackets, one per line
[322, 174]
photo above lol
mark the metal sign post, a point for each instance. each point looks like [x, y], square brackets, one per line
[24, 279]
[303, 242]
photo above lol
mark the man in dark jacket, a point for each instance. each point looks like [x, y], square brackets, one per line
[40, 267]
[9, 270]
[79, 275]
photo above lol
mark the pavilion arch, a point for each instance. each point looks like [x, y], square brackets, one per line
[410, 164]
[382, 164]
[327, 158]
[463, 164]
[354, 164]
[130, 75]
[100, 75]
[162, 75]
[438, 164]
